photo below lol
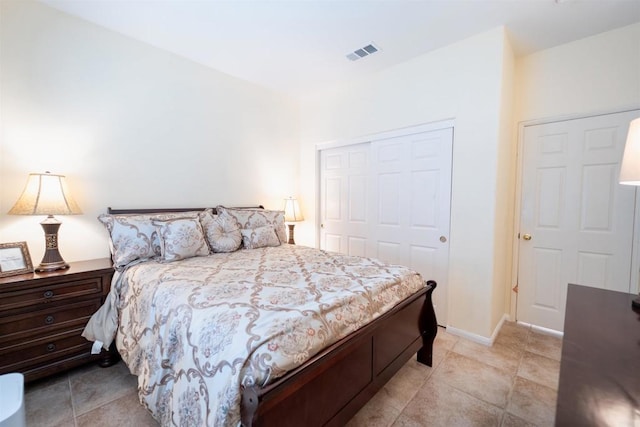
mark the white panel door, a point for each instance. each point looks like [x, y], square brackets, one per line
[412, 211]
[344, 187]
[393, 203]
[576, 223]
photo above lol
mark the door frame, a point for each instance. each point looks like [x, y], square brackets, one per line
[409, 130]
[635, 245]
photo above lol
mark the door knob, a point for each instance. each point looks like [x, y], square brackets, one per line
[526, 236]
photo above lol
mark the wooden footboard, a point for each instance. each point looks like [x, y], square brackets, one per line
[331, 387]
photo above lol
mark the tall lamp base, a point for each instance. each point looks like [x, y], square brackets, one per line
[291, 241]
[52, 260]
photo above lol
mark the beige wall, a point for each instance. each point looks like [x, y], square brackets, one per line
[488, 92]
[463, 81]
[131, 126]
[134, 126]
[592, 75]
[505, 192]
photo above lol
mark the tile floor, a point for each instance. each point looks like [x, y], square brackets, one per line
[512, 383]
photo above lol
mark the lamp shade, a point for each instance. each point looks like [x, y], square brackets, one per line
[292, 211]
[630, 170]
[45, 194]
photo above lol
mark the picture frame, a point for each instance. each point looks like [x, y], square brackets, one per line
[15, 259]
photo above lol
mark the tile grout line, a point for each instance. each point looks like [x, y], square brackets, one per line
[427, 379]
[513, 386]
[73, 406]
[515, 376]
[433, 369]
[107, 402]
[491, 367]
[451, 351]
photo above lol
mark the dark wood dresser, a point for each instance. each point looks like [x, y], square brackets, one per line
[42, 316]
[600, 365]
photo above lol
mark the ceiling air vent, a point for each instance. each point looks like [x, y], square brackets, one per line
[369, 49]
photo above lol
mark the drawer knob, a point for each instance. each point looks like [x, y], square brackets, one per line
[51, 347]
[48, 294]
[49, 320]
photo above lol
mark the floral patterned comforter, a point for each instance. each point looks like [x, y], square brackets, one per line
[195, 330]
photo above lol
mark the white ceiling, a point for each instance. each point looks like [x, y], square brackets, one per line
[293, 46]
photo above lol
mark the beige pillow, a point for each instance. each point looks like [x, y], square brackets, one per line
[133, 236]
[180, 238]
[222, 231]
[253, 217]
[259, 237]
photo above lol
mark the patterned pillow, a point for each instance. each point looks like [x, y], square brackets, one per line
[180, 238]
[222, 231]
[254, 218]
[259, 237]
[134, 237]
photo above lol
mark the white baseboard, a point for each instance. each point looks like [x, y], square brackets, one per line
[496, 330]
[542, 330]
[489, 341]
[479, 338]
[470, 336]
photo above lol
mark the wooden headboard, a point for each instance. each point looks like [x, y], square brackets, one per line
[162, 210]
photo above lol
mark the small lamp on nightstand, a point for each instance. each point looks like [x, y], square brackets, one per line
[630, 170]
[47, 194]
[292, 214]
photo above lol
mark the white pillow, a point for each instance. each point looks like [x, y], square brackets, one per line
[180, 238]
[259, 237]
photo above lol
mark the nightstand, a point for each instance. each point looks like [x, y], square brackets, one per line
[42, 316]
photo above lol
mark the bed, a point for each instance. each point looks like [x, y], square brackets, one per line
[276, 334]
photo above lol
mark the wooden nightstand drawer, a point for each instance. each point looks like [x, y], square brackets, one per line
[42, 316]
[46, 321]
[51, 293]
[17, 357]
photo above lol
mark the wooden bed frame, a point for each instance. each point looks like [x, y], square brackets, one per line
[333, 385]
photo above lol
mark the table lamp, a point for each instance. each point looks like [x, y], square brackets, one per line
[47, 194]
[292, 214]
[630, 170]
